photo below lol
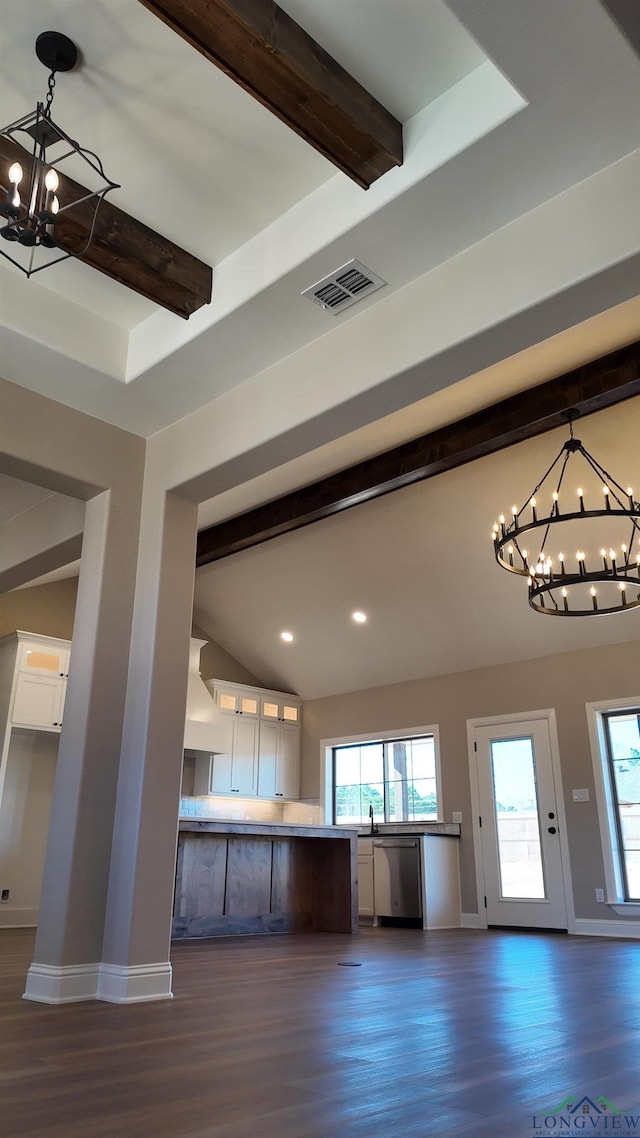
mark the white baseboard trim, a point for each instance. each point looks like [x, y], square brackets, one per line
[47, 984]
[118, 984]
[113, 983]
[18, 918]
[628, 929]
[472, 921]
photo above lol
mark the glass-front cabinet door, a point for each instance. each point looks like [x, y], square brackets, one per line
[279, 710]
[41, 660]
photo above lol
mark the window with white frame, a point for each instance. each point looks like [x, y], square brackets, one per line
[395, 778]
[615, 730]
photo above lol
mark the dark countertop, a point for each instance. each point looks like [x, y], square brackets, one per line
[269, 829]
[411, 829]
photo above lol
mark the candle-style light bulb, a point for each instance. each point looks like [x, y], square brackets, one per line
[51, 182]
[564, 600]
[594, 598]
[15, 177]
[605, 491]
[630, 496]
[623, 595]
[612, 555]
[532, 503]
[555, 507]
[581, 498]
[510, 552]
[603, 554]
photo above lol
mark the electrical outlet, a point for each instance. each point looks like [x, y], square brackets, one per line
[4, 896]
[456, 816]
[600, 895]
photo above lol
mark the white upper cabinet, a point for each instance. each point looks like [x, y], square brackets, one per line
[38, 701]
[33, 678]
[264, 759]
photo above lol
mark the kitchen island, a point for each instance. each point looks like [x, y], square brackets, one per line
[256, 878]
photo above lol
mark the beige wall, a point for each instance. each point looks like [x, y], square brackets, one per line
[50, 609]
[24, 822]
[565, 682]
[46, 609]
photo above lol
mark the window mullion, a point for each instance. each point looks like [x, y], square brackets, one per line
[385, 780]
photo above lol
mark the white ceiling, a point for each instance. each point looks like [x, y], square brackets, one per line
[197, 158]
[505, 114]
[514, 215]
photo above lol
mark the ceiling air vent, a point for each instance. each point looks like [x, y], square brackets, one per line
[346, 286]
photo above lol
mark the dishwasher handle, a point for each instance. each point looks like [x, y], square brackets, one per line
[394, 845]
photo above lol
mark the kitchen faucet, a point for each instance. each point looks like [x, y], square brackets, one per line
[374, 829]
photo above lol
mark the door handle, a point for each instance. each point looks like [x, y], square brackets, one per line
[552, 830]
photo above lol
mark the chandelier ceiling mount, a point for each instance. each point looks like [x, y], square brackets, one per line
[49, 215]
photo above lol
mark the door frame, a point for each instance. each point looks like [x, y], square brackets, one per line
[548, 714]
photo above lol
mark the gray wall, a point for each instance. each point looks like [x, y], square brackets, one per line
[565, 682]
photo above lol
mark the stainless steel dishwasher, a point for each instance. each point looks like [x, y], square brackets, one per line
[397, 878]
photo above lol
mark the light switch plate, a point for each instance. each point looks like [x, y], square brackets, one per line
[580, 795]
[456, 816]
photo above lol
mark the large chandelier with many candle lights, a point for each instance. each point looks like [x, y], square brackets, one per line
[48, 215]
[578, 545]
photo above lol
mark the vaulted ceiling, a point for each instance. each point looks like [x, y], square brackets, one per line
[511, 225]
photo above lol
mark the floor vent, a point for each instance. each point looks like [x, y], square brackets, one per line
[346, 286]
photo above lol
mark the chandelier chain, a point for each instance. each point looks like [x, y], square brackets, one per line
[51, 82]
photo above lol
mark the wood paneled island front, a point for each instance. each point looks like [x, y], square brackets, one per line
[247, 877]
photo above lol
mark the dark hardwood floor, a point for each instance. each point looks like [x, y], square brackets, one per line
[440, 1033]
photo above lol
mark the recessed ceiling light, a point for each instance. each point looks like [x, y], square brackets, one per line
[359, 617]
[288, 636]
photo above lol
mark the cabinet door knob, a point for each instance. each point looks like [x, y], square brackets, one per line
[61, 675]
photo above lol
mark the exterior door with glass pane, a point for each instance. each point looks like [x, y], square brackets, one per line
[519, 832]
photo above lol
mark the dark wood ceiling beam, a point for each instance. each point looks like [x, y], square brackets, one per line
[590, 388]
[122, 247]
[259, 46]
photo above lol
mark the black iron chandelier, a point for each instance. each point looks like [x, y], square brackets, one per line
[601, 576]
[48, 215]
